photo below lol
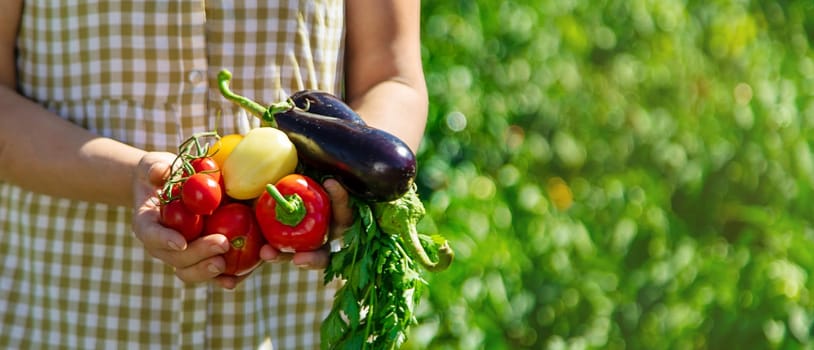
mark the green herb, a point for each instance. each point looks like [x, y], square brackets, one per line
[374, 308]
[400, 217]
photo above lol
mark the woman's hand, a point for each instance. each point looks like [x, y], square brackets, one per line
[197, 261]
[201, 260]
[342, 219]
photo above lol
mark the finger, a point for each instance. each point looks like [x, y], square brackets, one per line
[229, 281]
[204, 270]
[145, 222]
[197, 251]
[154, 168]
[158, 173]
[340, 205]
[314, 260]
[154, 236]
[270, 254]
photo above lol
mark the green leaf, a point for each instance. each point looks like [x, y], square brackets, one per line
[332, 329]
[379, 278]
[350, 306]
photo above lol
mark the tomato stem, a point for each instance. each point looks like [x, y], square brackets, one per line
[186, 147]
[238, 242]
[192, 148]
[289, 210]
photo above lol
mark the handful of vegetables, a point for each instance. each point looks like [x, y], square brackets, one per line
[273, 170]
[227, 189]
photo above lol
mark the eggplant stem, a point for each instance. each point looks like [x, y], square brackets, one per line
[256, 109]
[279, 107]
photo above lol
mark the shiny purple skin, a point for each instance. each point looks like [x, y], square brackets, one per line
[370, 163]
[323, 103]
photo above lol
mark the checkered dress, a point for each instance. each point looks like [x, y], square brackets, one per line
[143, 72]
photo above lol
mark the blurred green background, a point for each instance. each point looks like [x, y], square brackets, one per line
[621, 174]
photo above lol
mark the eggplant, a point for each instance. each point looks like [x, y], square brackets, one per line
[323, 103]
[370, 163]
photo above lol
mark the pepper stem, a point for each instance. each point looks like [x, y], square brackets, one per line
[289, 210]
[253, 107]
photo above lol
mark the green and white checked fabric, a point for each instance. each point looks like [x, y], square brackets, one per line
[143, 72]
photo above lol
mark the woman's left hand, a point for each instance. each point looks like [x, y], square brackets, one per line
[342, 219]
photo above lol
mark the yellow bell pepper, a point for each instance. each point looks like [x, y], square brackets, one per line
[263, 156]
[223, 147]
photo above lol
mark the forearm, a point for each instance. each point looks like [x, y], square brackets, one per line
[44, 153]
[396, 108]
[384, 73]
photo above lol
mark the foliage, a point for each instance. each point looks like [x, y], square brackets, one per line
[619, 174]
[374, 308]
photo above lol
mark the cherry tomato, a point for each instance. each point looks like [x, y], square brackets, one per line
[223, 147]
[201, 193]
[176, 216]
[224, 198]
[206, 165]
[176, 191]
[173, 193]
[236, 221]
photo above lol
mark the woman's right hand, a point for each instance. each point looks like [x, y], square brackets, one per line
[196, 261]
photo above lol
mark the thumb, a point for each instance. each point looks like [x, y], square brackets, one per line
[158, 166]
[158, 173]
[340, 207]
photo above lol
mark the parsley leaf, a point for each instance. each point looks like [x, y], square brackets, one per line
[374, 307]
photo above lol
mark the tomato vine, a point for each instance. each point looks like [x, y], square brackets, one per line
[194, 147]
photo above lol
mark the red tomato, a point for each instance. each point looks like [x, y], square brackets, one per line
[176, 216]
[206, 165]
[176, 191]
[236, 222]
[224, 198]
[201, 193]
[297, 230]
[173, 193]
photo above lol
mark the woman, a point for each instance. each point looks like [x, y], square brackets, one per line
[94, 96]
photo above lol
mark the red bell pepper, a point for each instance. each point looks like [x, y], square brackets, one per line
[294, 214]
